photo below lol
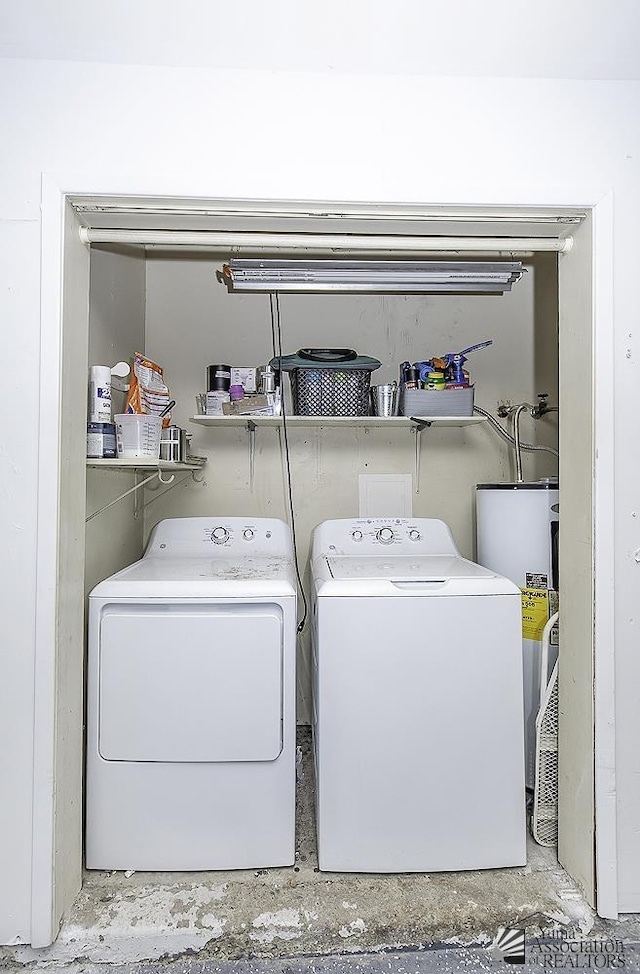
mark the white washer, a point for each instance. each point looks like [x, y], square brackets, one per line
[418, 718]
[191, 701]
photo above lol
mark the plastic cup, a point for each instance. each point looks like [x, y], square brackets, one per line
[138, 436]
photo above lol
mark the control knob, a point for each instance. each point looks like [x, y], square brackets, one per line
[356, 535]
[414, 535]
[219, 535]
[248, 534]
[385, 535]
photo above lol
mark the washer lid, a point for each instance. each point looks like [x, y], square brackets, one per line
[406, 576]
[428, 568]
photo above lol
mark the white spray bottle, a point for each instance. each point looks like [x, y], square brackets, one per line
[100, 390]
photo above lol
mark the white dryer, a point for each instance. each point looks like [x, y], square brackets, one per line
[191, 701]
[418, 717]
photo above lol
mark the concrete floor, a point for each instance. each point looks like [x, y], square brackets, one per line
[297, 913]
[439, 960]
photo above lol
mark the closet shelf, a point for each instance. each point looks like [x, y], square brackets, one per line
[388, 422]
[141, 464]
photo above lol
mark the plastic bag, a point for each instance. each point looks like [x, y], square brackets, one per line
[148, 392]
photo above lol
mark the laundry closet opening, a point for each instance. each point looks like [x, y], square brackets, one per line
[162, 295]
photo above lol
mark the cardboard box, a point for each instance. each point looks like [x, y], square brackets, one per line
[215, 403]
[247, 406]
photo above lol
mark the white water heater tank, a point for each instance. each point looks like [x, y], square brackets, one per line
[517, 536]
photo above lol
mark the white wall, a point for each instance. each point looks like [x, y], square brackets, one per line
[186, 132]
[116, 332]
[551, 41]
[19, 287]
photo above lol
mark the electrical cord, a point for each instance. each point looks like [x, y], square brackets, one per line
[276, 332]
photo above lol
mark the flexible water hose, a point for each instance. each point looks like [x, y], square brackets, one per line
[516, 437]
[530, 447]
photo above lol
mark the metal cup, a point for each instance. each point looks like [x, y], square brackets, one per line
[384, 399]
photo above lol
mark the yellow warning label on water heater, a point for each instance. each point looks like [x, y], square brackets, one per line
[535, 612]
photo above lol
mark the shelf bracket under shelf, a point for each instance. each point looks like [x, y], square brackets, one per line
[156, 475]
[251, 430]
[419, 426]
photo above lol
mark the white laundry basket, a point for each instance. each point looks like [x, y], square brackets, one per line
[544, 822]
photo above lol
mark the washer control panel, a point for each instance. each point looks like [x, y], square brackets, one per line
[385, 535]
[396, 535]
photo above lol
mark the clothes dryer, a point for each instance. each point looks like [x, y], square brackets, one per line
[417, 703]
[191, 701]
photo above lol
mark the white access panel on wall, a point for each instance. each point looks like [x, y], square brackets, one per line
[216, 690]
[385, 495]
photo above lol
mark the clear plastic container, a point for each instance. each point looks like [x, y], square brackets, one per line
[138, 436]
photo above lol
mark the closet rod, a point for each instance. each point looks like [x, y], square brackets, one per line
[332, 243]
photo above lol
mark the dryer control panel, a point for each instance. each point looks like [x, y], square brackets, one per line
[203, 537]
[232, 535]
[425, 536]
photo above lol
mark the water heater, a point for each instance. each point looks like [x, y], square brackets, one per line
[517, 536]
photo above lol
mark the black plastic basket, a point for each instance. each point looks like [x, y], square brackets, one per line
[328, 382]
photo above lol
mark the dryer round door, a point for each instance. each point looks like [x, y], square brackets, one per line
[190, 682]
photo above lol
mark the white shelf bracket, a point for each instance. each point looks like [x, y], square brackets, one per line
[132, 490]
[419, 427]
[251, 430]
[136, 497]
[156, 475]
[194, 478]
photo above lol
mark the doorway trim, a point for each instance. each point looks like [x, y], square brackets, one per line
[606, 853]
[46, 908]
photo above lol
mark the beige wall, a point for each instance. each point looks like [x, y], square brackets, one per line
[116, 331]
[191, 321]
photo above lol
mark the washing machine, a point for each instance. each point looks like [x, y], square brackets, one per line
[191, 701]
[417, 704]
